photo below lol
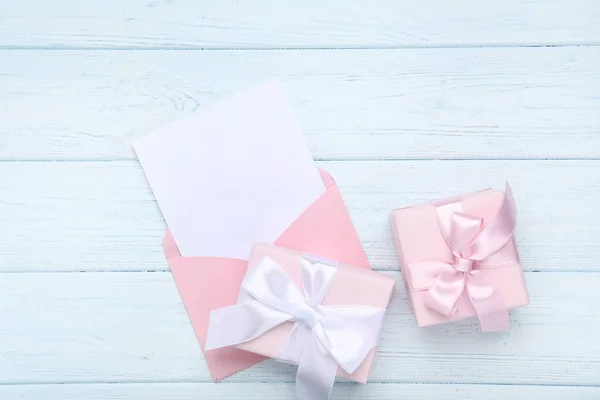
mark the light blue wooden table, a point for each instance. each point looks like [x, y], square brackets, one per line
[403, 102]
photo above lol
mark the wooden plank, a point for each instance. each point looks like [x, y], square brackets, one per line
[313, 23]
[278, 391]
[102, 216]
[357, 104]
[98, 216]
[131, 327]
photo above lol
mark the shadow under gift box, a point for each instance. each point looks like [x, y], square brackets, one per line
[351, 286]
[418, 238]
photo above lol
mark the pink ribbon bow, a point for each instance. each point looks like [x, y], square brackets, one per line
[475, 248]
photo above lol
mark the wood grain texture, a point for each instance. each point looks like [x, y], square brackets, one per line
[132, 327]
[311, 23]
[358, 104]
[278, 391]
[84, 216]
[87, 309]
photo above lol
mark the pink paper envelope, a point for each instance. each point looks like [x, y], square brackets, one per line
[418, 238]
[351, 286]
[207, 283]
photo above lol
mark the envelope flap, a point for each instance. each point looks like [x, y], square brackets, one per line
[327, 178]
[169, 246]
[326, 229]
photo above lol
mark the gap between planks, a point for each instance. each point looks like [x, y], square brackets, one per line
[306, 48]
[332, 158]
[277, 391]
[310, 24]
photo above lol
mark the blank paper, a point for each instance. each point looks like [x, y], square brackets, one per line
[231, 175]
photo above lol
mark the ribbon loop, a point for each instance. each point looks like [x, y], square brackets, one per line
[445, 292]
[463, 229]
[472, 245]
[322, 337]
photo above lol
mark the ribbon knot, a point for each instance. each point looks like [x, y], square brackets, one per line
[322, 337]
[474, 248]
[308, 316]
[462, 264]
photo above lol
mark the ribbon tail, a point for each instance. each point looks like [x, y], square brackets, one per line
[349, 333]
[316, 372]
[488, 303]
[445, 292]
[291, 350]
[241, 323]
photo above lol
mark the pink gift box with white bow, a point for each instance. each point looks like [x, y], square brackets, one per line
[459, 259]
[301, 309]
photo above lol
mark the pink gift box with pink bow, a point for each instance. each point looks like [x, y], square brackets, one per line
[459, 259]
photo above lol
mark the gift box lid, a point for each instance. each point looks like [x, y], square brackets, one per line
[351, 286]
[418, 238]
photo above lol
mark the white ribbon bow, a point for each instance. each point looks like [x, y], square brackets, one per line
[322, 337]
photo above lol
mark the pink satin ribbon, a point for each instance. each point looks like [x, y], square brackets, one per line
[475, 248]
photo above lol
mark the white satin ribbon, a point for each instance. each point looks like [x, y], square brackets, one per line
[322, 337]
